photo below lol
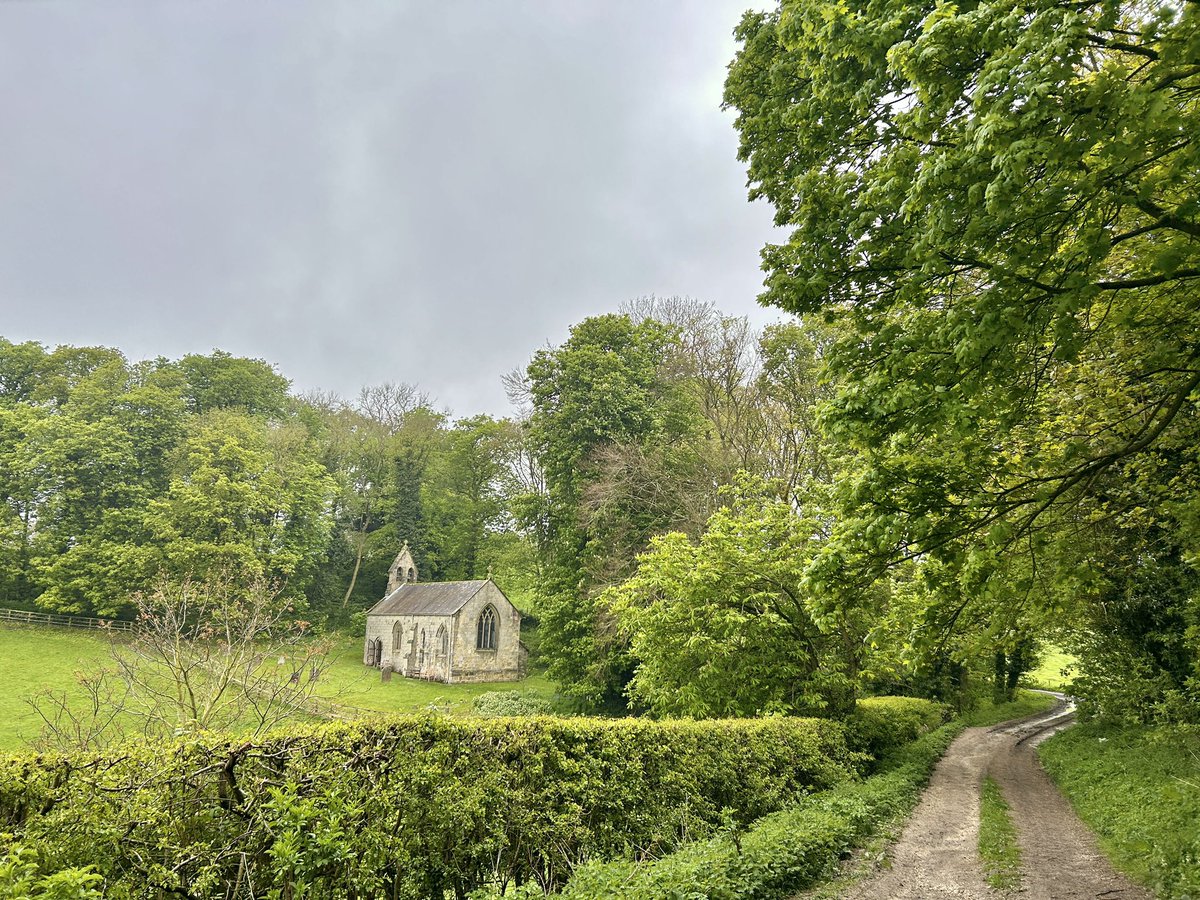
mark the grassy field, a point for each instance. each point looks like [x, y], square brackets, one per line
[1056, 669]
[350, 683]
[34, 659]
[1139, 790]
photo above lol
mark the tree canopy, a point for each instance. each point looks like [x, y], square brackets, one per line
[119, 476]
[997, 207]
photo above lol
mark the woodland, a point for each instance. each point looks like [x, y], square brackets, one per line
[973, 440]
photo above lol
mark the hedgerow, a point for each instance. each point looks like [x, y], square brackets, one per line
[880, 725]
[412, 808]
[432, 806]
[781, 853]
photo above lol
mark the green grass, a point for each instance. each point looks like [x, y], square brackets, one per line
[1026, 704]
[1138, 788]
[1056, 669]
[349, 683]
[35, 659]
[998, 840]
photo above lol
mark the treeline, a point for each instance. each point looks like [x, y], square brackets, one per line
[658, 502]
[117, 474]
[668, 425]
[705, 520]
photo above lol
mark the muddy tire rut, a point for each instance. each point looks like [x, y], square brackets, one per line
[937, 856]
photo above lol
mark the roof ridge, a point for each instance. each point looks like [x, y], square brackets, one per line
[449, 603]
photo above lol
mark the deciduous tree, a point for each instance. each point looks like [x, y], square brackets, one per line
[996, 206]
[725, 626]
[221, 653]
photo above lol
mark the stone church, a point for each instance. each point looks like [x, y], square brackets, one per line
[451, 631]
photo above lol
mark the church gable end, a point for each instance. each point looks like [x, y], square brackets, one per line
[403, 569]
[488, 640]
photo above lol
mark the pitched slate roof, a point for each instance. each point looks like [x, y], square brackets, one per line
[433, 598]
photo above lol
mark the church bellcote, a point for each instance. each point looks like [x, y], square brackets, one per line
[403, 570]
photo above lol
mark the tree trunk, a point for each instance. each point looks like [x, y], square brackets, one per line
[1016, 666]
[358, 558]
[999, 688]
[360, 550]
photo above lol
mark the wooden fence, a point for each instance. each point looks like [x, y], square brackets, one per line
[29, 617]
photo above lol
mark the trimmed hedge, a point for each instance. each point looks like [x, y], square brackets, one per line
[412, 808]
[430, 806]
[880, 725]
[782, 853]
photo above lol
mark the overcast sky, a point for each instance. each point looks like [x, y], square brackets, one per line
[365, 191]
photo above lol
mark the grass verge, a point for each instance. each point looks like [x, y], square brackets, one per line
[1138, 788]
[998, 840]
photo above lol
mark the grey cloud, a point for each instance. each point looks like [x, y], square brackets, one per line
[365, 191]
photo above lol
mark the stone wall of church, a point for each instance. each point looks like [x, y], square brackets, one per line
[412, 645]
[472, 664]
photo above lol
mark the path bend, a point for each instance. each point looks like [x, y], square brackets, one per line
[937, 854]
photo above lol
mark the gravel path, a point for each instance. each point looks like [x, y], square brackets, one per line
[936, 856]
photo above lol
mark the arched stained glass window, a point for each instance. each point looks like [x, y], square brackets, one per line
[397, 636]
[486, 630]
[441, 643]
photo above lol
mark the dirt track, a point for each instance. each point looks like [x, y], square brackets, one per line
[936, 856]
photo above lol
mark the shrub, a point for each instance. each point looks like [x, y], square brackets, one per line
[22, 878]
[879, 725]
[509, 703]
[412, 807]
